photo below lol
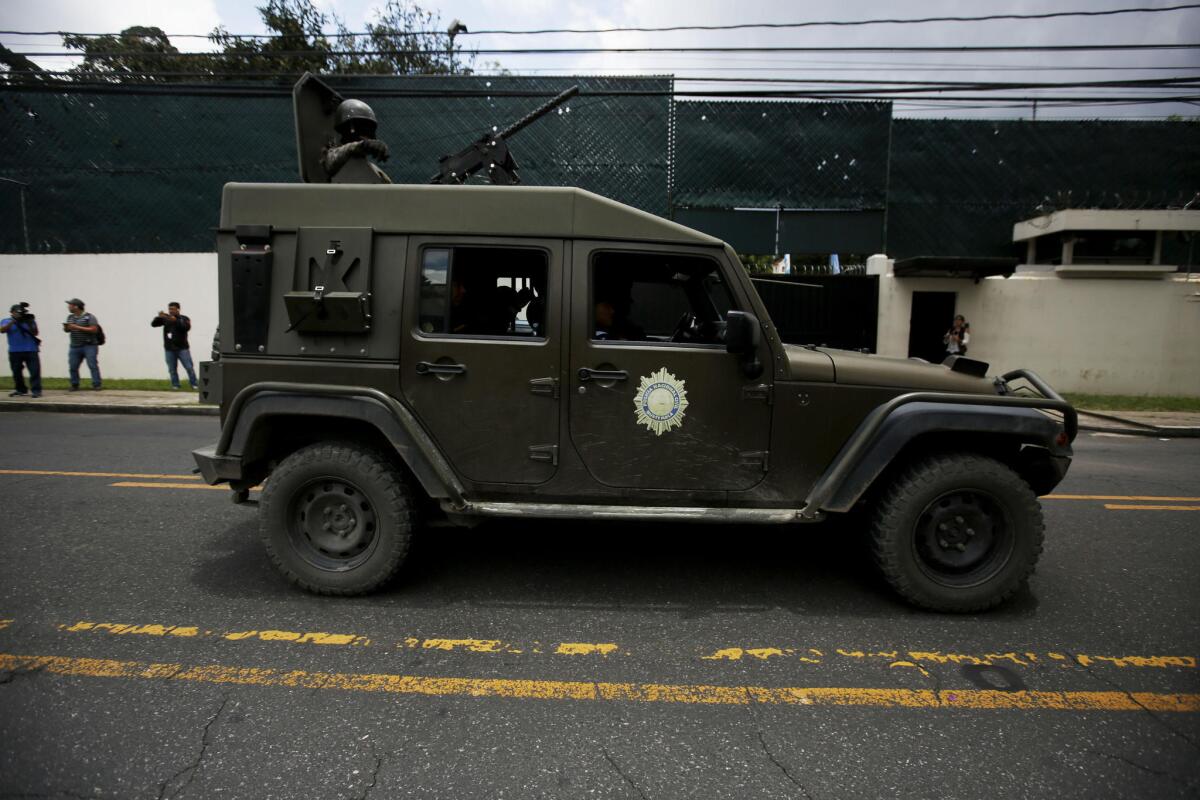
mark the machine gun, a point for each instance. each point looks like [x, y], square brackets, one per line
[491, 152]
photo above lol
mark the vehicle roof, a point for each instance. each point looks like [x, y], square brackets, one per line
[534, 211]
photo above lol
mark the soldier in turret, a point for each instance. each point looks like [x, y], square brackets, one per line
[347, 162]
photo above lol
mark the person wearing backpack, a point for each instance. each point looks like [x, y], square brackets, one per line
[86, 338]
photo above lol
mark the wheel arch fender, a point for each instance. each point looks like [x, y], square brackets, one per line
[869, 454]
[257, 408]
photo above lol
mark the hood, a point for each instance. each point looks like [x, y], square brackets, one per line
[864, 369]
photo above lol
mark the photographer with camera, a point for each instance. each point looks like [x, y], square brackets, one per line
[175, 343]
[23, 342]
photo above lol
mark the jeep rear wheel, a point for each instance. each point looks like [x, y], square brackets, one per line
[957, 533]
[336, 519]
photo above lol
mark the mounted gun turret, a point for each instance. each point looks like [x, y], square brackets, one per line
[491, 151]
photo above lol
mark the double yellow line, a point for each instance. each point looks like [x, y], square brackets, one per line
[691, 694]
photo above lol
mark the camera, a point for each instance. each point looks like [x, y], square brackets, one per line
[20, 311]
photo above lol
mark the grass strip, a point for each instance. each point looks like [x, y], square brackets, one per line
[134, 384]
[1126, 402]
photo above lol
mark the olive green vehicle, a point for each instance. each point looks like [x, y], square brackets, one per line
[398, 355]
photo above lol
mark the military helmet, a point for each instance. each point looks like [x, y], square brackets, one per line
[355, 113]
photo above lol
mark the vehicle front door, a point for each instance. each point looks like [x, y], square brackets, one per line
[480, 360]
[656, 402]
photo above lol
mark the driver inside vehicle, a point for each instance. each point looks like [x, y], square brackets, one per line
[613, 323]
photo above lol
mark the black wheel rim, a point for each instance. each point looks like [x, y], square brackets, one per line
[963, 538]
[332, 524]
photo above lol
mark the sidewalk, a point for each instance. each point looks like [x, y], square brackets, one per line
[110, 401]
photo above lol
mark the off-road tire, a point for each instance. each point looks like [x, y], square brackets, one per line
[916, 553]
[365, 505]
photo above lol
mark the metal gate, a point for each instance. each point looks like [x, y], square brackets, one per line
[839, 311]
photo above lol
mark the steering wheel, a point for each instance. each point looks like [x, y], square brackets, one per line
[685, 325]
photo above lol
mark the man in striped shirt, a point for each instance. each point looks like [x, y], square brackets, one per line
[83, 328]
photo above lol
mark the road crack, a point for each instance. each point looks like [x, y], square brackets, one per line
[374, 774]
[621, 772]
[1154, 716]
[9, 675]
[762, 740]
[192, 768]
[1143, 768]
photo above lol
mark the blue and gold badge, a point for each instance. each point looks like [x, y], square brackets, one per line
[660, 401]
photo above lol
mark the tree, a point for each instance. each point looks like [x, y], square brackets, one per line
[130, 54]
[402, 30]
[299, 44]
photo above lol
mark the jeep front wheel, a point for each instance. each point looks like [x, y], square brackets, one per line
[957, 533]
[336, 519]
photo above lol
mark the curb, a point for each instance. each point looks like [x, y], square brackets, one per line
[95, 408]
[1170, 432]
[1131, 427]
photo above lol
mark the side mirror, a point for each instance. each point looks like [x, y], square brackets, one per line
[743, 333]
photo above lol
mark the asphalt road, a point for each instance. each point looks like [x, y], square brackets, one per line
[147, 649]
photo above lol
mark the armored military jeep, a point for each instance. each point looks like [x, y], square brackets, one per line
[395, 355]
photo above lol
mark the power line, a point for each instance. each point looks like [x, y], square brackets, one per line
[318, 53]
[1177, 82]
[673, 28]
[881, 96]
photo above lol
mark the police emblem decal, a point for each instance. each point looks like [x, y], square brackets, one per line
[660, 402]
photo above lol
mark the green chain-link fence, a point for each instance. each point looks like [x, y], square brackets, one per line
[122, 169]
[957, 186]
[790, 154]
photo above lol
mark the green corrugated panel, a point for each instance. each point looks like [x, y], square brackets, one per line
[794, 154]
[957, 186]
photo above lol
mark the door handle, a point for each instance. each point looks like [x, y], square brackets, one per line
[586, 374]
[426, 368]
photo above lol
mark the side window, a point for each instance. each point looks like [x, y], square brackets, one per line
[483, 291]
[658, 297]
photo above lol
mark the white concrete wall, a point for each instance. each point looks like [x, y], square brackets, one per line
[124, 291]
[1108, 336]
[1105, 335]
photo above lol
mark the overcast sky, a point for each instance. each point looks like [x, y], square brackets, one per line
[240, 16]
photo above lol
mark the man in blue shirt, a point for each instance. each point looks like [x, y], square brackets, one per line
[23, 342]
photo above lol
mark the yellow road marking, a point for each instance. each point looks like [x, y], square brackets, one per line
[913, 657]
[313, 637]
[1120, 497]
[470, 645]
[336, 639]
[97, 474]
[298, 637]
[809, 655]
[137, 485]
[590, 690]
[584, 649]
[1117, 507]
